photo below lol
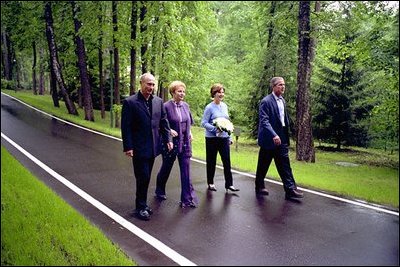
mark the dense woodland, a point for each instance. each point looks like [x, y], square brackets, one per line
[340, 60]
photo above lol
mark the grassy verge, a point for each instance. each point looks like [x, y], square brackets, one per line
[374, 179]
[39, 228]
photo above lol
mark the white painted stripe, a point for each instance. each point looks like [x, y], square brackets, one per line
[365, 205]
[157, 244]
[369, 206]
[67, 122]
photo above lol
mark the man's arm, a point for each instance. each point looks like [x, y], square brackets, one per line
[165, 128]
[265, 116]
[126, 127]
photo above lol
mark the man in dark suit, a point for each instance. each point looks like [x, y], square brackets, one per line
[273, 139]
[143, 120]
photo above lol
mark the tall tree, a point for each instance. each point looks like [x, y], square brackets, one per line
[304, 138]
[82, 66]
[116, 59]
[338, 118]
[143, 41]
[134, 19]
[117, 99]
[53, 86]
[278, 55]
[34, 84]
[55, 65]
[100, 55]
[6, 53]
[41, 71]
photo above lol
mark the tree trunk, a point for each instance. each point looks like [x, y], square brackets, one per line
[84, 77]
[143, 27]
[304, 138]
[17, 72]
[101, 77]
[54, 60]
[34, 86]
[132, 87]
[116, 61]
[41, 72]
[53, 87]
[7, 56]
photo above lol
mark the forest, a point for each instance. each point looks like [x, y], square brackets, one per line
[340, 60]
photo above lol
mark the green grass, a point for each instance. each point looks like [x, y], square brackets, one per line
[39, 228]
[375, 179]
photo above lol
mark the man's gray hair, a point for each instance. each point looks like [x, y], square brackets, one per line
[273, 81]
[145, 75]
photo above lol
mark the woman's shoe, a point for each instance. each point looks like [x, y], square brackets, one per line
[190, 204]
[233, 189]
[212, 187]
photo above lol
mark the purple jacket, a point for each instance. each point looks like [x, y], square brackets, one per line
[182, 142]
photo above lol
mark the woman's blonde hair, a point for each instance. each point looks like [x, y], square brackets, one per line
[215, 88]
[175, 85]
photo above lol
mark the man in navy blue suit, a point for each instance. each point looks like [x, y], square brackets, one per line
[273, 139]
[143, 120]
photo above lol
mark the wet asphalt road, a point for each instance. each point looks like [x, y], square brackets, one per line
[226, 229]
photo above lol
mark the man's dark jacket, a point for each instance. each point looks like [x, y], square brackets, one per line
[140, 130]
[270, 124]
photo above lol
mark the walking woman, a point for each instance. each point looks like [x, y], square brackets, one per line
[217, 141]
[180, 120]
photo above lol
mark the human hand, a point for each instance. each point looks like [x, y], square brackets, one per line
[277, 140]
[170, 146]
[219, 132]
[191, 137]
[174, 133]
[129, 153]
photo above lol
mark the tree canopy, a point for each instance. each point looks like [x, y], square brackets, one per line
[354, 83]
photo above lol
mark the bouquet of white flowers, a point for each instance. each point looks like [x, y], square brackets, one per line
[224, 125]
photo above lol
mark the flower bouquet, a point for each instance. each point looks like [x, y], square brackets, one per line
[224, 125]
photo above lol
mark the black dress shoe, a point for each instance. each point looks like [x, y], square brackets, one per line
[161, 197]
[149, 210]
[233, 189]
[143, 215]
[293, 194]
[262, 191]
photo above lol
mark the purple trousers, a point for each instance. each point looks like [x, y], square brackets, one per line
[187, 192]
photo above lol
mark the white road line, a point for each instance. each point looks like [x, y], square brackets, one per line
[157, 244]
[365, 204]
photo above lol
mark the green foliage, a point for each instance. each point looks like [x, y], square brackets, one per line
[374, 49]
[241, 44]
[278, 56]
[117, 109]
[8, 84]
[338, 117]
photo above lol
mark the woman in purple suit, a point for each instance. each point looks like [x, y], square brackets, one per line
[180, 120]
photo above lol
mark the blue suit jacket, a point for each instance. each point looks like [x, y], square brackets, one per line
[270, 125]
[140, 131]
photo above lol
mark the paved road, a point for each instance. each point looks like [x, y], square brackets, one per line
[226, 229]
